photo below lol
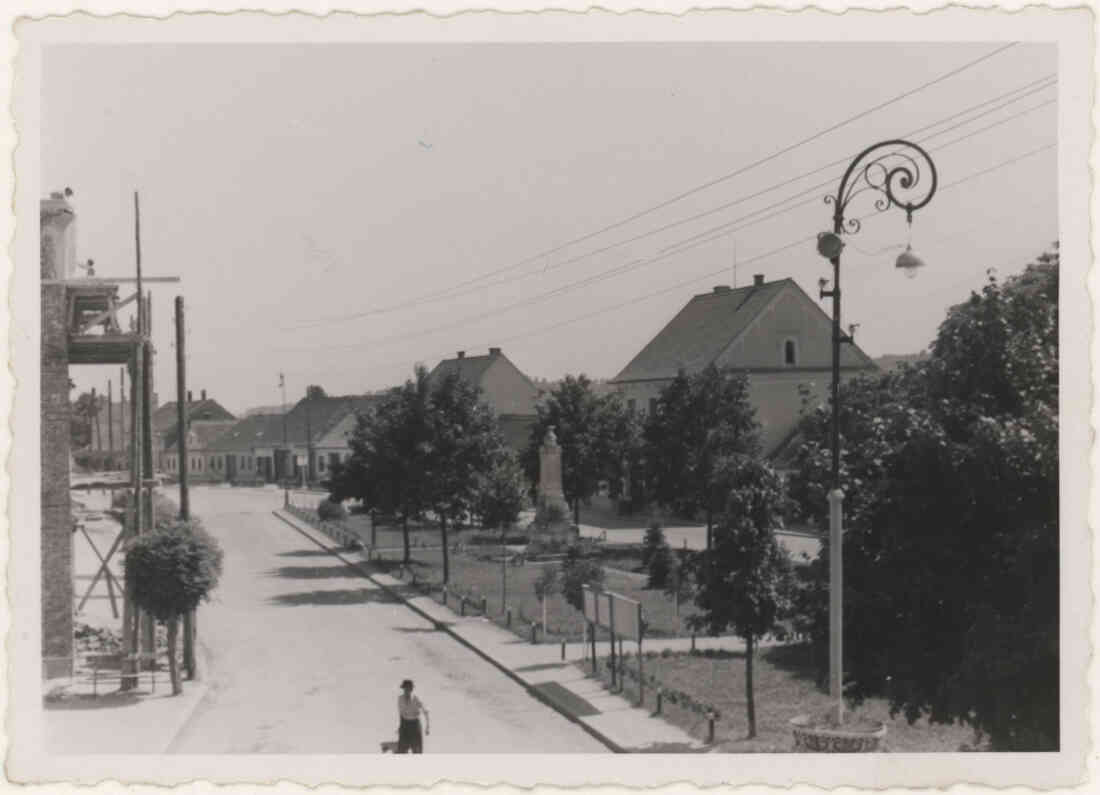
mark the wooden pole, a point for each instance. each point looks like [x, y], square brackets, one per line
[181, 412]
[97, 435]
[110, 418]
[122, 409]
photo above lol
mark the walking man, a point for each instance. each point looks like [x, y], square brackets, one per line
[409, 708]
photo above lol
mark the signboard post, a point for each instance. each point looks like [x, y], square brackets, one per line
[622, 618]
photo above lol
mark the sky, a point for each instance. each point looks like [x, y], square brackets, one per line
[341, 212]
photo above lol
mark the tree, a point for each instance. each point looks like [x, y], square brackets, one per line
[656, 556]
[390, 449]
[546, 585]
[501, 492]
[749, 573]
[580, 422]
[951, 518]
[83, 416]
[699, 420]
[576, 572]
[169, 571]
[463, 445]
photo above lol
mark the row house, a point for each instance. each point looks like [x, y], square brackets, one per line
[205, 464]
[165, 420]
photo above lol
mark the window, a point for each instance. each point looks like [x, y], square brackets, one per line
[653, 406]
[321, 462]
[632, 404]
[790, 352]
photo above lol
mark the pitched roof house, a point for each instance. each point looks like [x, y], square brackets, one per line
[773, 331]
[204, 463]
[165, 417]
[504, 388]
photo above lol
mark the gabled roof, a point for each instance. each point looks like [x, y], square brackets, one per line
[470, 369]
[205, 432]
[258, 430]
[164, 418]
[319, 415]
[701, 331]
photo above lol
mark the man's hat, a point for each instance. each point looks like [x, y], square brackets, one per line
[407, 684]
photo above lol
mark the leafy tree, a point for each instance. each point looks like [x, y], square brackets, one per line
[621, 449]
[390, 451]
[547, 584]
[169, 571]
[463, 444]
[700, 419]
[83, 416]
[501, 492]
[683, 567]
[653, 540]
[582, 426]
[951, 516]
[749, 573]
[576, 572]
[656, 556]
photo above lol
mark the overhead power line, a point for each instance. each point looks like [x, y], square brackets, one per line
[776, 209]
[446, 292]
[652, 260]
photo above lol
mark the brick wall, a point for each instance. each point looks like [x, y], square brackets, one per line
[57, 540]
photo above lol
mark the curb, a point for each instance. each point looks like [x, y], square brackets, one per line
[201, 688]
[531, 690]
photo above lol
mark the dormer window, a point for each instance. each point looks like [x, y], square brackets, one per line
[790, 353]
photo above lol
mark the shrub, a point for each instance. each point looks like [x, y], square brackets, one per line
[576, 573]
[653, 541]
[170, 571]
[329, 510]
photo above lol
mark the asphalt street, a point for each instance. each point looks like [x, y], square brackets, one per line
[306, 656]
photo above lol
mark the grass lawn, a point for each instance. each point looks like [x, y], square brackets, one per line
[784, 688]
[471, 575]
[390, 536]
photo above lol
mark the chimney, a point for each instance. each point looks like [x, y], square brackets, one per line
[203, 393]
[190, 399]
[462, 354]
[721, 288]
[494, 351]
[757, 279]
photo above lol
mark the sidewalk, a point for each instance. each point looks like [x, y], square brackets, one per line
[618, 723]
[134, 722]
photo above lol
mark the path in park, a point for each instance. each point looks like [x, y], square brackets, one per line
[306, 656]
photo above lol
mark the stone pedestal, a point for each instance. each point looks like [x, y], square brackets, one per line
[551, 495]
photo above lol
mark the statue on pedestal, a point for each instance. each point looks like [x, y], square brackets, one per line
[553, 516]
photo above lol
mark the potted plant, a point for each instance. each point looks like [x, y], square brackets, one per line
[823, 733]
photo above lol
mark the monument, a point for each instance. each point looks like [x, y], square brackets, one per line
[553, 518]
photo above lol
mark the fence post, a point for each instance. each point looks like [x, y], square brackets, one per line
[444, 595]
[508, 617]
[660, 697]
[710, 728]
[484, 606]
[693, 641]
[534, 632]
[563, 648]
[462, 602]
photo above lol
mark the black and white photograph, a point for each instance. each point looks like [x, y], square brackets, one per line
[527, 392]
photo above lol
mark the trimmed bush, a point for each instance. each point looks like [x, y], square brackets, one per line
[329, 510]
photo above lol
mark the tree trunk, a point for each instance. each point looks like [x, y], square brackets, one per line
[173, 665]
[543, 600]
[577, 512]
[446, 552]
[710, 518]
[750, 704]
[405, 535]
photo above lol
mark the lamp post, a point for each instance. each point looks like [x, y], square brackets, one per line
[896, 171]
[286, 450]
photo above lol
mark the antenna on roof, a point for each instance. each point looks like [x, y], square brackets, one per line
[735, 263]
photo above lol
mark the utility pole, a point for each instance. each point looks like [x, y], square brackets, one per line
[309, 443]
[122, 409]
[189, 622]
[286, 450]
[97, 435]
[110, 418]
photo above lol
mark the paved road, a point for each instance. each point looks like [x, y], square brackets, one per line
[306, 656]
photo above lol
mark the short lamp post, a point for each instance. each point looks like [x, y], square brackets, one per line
[903, 176]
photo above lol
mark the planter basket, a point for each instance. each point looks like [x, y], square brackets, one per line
[823, 739]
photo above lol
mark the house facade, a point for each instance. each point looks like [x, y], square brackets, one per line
[772, 331]
[205, 462]
[165, 419]
[504, 388]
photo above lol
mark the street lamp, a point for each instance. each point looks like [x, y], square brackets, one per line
[896, 171]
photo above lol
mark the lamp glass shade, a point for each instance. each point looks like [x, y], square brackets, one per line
[829, 245]
[909, 262]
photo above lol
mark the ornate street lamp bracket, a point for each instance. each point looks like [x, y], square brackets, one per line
[900, 171]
